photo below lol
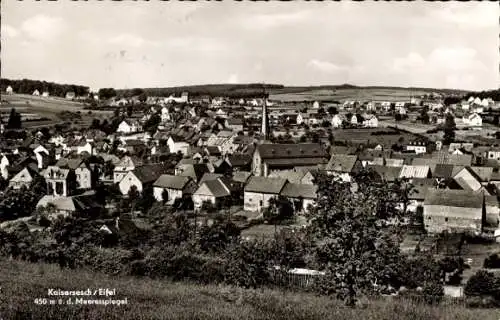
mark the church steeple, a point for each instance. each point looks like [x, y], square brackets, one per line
[264, 130]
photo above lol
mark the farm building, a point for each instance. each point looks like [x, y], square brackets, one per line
[9, 90]
[271, 157]
[259, 190]
[453, 211]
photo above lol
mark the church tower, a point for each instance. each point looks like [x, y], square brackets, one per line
[264, 130]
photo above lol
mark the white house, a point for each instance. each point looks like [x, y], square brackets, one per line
[36, 92]
[123, 167]
[127, 126]
[370, 121]
[176, 144]
[4, 164]
[45, 94]
[417, 147]
[22, 178]
[316, 105]
[213, 191]
[174, 186]
[336, 121]
[472, 120]
[9, 90]
[354, 120]
[40, 152]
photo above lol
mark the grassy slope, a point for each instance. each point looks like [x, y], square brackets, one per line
[148, 299]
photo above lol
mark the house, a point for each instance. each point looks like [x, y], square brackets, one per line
[193, 170]
[337, 121]
[453, 211]
[45, 94]
[64, 206]
[9, 90]
[60, 182]
[467, 179]
[4, 164]
[268, 157]
[239, 161]
[70, 95]
[417, 147]
[22, 179]
[370, 121]
[165, 115]
[125, 165]
[36, 93]
[173, 186]
[472, 120]
[302, 196]
[343, 166]
[141, 177]
[129, 126]
[213, 191]
[413, 171]
[259, 190]
[235, 124]
[41, 155]
[385, 173]
[178, 144]
[83, 174]
[354, 120]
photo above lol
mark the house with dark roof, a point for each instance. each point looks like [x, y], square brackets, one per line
[240, 161]
[271, 157]
[259, 190]
[343, 166]
[141, 177]
[302, 196]
[214, 191]
[85, 177]
[385, 173]
[453, 211]
[194, 170]
[174, 187]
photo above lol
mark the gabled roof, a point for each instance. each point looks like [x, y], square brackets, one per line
[291, 176]
[414, 171]
[291, 151]
[69, 163]
[195, 171]
[171, 182]
[483, 173]
[265, 185]
[454, 198]
[342, 163]
[443, 171]
[386, 173]
[149, 173]
[207, 176]
[420, 188]
[239, 160]
[215, 188]
[241, 176]
[297, 190]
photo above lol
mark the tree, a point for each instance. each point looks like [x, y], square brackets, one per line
[398, 117]
[449, 129]
[216, 237]
[14, 121]
[146, 199]
[106, 93]
[133, 196]
[332, 111]
[483, 283]
[152, 123]
[350, 239]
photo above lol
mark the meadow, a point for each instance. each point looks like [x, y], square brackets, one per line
[22, 283]
[343, 94]
[47, 108]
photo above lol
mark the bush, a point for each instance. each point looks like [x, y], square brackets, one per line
[483, 283]
[433, 293]
[492, 262]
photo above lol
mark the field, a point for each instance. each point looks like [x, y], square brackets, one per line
[22, 283]
[369, 134]
[47, 108]
[343, 94]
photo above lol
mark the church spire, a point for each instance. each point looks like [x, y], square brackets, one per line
[265, 117]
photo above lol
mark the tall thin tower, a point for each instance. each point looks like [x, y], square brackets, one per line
[264, 130]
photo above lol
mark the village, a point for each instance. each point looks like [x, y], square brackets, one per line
[207, 157]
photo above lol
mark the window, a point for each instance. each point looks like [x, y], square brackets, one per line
[260, 203]
[445, 219]
[429, 218]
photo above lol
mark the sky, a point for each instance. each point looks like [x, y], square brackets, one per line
[160, 44]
